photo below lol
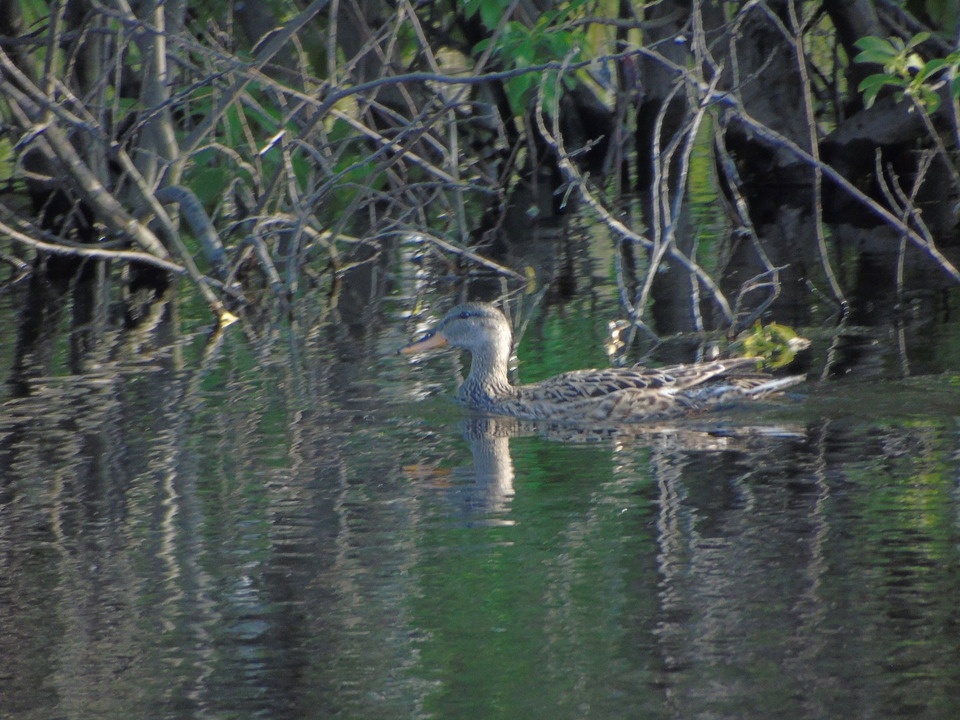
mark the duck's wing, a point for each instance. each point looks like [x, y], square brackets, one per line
[598, 383]
[681, 377]
[634, 394]
[587, 384]
[600, 395]
[593, 396]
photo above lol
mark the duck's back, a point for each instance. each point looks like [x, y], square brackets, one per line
[628, 394]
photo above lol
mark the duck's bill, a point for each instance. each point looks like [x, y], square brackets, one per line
[428, 342]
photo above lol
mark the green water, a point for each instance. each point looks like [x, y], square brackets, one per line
[311, 528]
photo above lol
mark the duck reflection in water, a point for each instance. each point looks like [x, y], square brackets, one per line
[481, 493]
[622, 405]
[488, 488]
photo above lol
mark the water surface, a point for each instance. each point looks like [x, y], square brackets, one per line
[311, 528]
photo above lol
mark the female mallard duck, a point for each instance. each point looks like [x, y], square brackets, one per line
[620, 395]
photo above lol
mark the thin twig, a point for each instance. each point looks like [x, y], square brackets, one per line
[796, 39]
[573, 176]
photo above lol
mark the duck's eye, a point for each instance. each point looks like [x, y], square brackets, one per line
[464, 314]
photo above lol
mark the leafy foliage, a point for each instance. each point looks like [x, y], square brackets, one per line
[904, 68]
[776, 344]
[550, 40]
[309, 144]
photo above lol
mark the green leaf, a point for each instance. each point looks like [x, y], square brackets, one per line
[921, 95]
[878, 46]
[490, 13]
[928, 98]
[470, 7]
[917, 39]
[872, 84]
[875, 82]
[519, 90]
[557, 45]
[873, 56]
[930, 68]
[208, 183]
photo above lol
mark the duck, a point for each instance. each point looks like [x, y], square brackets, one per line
[609, 395]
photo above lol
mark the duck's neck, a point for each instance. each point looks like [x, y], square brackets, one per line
[487, 382]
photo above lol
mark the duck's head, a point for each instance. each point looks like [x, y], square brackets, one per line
[477, 327]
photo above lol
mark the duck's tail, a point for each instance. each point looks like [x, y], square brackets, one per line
[731, 389]
[770, 386]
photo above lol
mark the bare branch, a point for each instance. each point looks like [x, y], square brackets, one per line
[796, 39]
[91, 252]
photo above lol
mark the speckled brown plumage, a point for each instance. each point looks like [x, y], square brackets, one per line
[612, 395]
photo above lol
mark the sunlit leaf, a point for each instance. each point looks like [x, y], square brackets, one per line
[776, 344]
[226, 319]
[914, 62]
